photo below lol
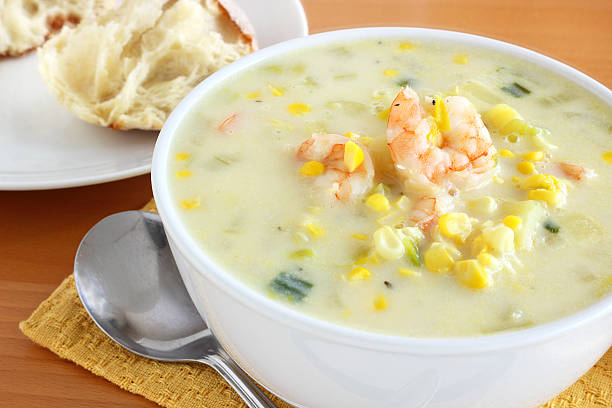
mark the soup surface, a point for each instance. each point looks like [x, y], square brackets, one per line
[356, 182]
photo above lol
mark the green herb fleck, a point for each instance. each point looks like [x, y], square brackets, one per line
[405, 82]
[515, 89]
[290, 286]
[551, 226]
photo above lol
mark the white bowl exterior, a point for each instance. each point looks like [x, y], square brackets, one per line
[309, 371]
[313, 363]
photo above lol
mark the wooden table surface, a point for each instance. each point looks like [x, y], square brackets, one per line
[40, 230]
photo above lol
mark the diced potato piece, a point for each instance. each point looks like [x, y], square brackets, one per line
[471, 274]
[499, 239]
[532, 214]
[388, 244]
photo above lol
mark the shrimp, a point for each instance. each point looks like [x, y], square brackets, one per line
[427, 210]
[329, 150]
[459, 158]
[575, 171]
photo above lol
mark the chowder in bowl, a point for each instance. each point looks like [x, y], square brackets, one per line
[396, 217]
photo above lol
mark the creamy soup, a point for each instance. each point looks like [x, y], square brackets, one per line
[356, 182]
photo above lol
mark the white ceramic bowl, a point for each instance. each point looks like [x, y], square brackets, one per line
[313, 363]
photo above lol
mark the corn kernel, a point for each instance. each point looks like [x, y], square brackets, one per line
[406, 46]
[499, 115]
[552, 198]
[378, 202]
[301, 254]
[512, 138]
[353, 156]
[298, 108]
[526, 167]
[366, 140]
[516, 180]
[390, 72]
[276, 90]
[461, 59]
[314, 210]
[384, 114]
[512, 221]
[380, 302]
[361, 237]
[183, 173]
[534, 156]
[541, 182]
[439, 259]
[409, 272]
[312, 168]
[182, 156]
[487, 260]
[471, 274]
[483, 205]
[506, 153]
[351, 135]
[359, 274]
[456, 226]
[440, 115]
[403, 203]
[253, 95]
[190, 204]
[281, 124]
[607, 156]
[498, 180]
[388, 244]
[314, 229]
[479, 245]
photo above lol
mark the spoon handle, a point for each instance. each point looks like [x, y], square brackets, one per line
[239, 380]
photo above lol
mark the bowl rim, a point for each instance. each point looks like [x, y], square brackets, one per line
[322, 329]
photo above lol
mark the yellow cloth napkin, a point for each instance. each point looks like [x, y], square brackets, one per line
[62, 325]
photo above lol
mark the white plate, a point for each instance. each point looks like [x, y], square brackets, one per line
[42, 146]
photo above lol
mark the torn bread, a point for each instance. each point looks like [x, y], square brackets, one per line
[26, 24]
[129, 68]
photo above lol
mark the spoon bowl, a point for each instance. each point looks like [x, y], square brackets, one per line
[129, 284]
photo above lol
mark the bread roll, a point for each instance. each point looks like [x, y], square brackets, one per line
[26, 24]
[128, 68]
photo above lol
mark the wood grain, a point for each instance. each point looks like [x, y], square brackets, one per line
[40, 231]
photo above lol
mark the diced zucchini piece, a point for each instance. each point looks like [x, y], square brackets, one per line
[290, 286]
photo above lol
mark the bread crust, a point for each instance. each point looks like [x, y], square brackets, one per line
[240, 21]
[54, 21]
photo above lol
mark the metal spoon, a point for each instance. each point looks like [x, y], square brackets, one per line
[130, 286]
